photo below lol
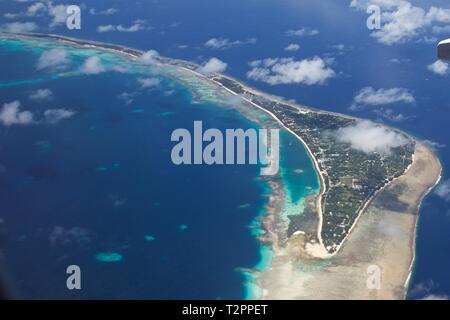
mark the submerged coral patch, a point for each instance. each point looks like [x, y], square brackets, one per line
[108, 257]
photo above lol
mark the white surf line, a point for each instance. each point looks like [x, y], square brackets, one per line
[316, 164]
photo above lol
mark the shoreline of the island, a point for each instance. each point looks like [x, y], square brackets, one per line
[73, 41]
[137, 53]
[312, 156]
[414, 236]
[366, 203]
[319, 172]
[322, 183]
[310, 153]
[382, 239]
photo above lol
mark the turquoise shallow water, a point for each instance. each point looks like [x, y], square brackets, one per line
[124, 209]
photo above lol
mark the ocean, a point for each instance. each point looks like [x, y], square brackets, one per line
[100, 190]
[180, 30]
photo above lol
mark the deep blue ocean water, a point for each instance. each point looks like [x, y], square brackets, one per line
[364, 62]
[102, 183]
[108, 172]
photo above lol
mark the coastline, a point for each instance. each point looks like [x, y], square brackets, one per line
[383, 237]
[314, 252]
[310, 154]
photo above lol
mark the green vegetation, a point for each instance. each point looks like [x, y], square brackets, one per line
[351, 177]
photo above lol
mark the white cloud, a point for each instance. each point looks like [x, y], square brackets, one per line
[302, 32]
[441, 29]
[223, 43]
[369, 96]
[61, 236]
[55, 14]
[213, 65]
[292, 47]
[148, 57]
[41, 95]
[148, 82]
[287, 70]
[53, 116]
[54, 58]
[389, 114]
[36, 9]
[339, 47]
[403, 21]
[93, 65]
[106, 12]
[435, 297]
[132, 28]
[389, 226]
[58, 14]
[399, 60]
[443, 190]
[434, 144]
[18, 27]
[369, 137]
[10, 114]
[10, 15]
[439, 67]
[439, 15]
[268, 62]
[106, 28]
[402, 24]
[424, 288]
[127, 97]
[138, 25]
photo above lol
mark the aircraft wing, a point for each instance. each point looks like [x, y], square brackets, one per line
[444, 49]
